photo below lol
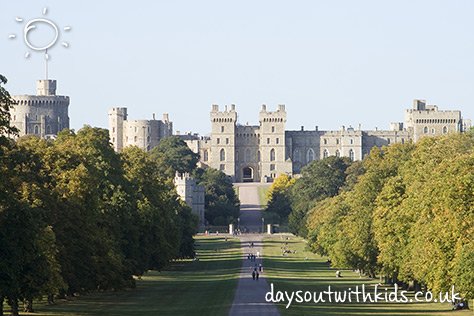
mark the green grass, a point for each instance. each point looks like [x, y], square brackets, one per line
[205, 287]
[293, 273]
[262, 195]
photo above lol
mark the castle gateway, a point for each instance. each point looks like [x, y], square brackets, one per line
[261, 153]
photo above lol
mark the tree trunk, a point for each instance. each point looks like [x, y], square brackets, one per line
[28, 306]
[50, 299]
[14, 306]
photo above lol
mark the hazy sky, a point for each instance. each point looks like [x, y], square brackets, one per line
[331, 62]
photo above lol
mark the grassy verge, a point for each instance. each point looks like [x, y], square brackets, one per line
[262, 195]
[294, 273]
[205, 287]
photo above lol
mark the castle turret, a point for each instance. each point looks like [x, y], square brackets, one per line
[116, 118]
[223, 139]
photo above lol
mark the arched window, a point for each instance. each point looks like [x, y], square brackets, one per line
[338, 153]
[258, 156]
[247, 155]
[445, 130]
[48, 129]
[272, 155]
[222, 155]
[425, 130]
[310, 155]
[325, 141]
[351, 154]
[403, 141]
[388, 141]
[296, 155]
[206, 155]
[36, 130]
[325, 153]
[337, 141]
[352, 141]
[135, 139]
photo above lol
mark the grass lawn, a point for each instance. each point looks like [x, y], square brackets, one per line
[205, 287]
[262, 195]
[293, 273]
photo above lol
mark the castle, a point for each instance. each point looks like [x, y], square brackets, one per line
[44, 114]
[142, 133]
[191, 193]
[261, 152]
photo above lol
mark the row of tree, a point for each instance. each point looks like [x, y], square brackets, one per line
[405, 212]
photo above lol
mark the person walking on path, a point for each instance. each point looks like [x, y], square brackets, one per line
[257, 275]
[253, 275]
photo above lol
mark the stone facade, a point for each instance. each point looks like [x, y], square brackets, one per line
[44, 114]
[191, 193]
[141, 133]
[260, 153]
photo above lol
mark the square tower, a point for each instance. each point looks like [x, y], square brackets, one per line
[222, 153]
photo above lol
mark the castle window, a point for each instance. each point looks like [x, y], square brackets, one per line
[445, 130]
[14, 117]
[135, 139]
[222, 129]
[352, 141]
[310, 155]
[227, 140]
[247, 155]
[218, 141]
[258, 141]
[126, 139]
[113, 129]
[268, 140]
[325, 141]
[296, 155]
[135, 129]
[272, 155]
[113, 139]
[147, 148]
[222, 167]
[222, 155]
[272, 167]
[351, 154]
[148, 129]
[236, 156]
[338, 153]
[325, 154]
[388, 141]
[403, 141]
[206, 155]
[258, 156]
[425, 130]
[36, 130]
[273, 129]
[48, 129]
[277, 140]
[337, 141]
[148, 139]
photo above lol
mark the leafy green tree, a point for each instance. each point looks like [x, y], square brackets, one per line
[279, 196]
[319, 180]
[172, 154]
[222, 206]
[6, 102]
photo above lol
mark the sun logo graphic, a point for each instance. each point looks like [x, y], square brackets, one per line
[34, 24]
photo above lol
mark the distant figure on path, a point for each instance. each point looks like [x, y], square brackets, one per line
[338, 274]
[253, 275]
[257, 276]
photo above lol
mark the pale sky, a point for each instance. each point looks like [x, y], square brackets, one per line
[331, 63]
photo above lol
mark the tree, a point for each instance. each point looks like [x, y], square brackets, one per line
[6, 102]
[279, 196]
[172, 154]
[222, 206]
[319, 180]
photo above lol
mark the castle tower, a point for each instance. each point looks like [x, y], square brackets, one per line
[116, 118]
[222, 153]
[44, 114]
[272, 143]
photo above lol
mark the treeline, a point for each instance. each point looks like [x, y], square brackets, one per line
[408, 215]
[76, 217]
